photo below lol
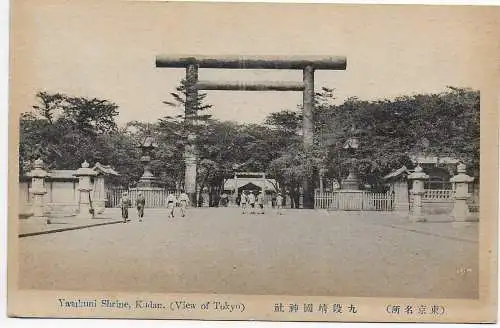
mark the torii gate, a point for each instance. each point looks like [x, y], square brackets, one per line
[307, 64]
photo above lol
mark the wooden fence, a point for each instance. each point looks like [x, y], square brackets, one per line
[346, 200]
[155, 197]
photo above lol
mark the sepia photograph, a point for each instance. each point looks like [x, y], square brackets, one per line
[253, 161]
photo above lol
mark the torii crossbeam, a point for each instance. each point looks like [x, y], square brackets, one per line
[308, 64]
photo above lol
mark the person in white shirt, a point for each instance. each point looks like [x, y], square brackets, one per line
[243, 202]
[251, 202]
[171, 202]
[183, 202]
[279, 203]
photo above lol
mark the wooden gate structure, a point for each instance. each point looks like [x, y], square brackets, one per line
[307, 64]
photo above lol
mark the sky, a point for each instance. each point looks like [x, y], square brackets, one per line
[108, 51]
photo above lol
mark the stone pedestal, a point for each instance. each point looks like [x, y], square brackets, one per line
[38, 175]
[84, 174]
[418, 177]
[461, 212]
[99, 200]
[351, 182]
[402, 203]
[147, 180]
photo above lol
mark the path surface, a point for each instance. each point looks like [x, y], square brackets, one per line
[220, 251]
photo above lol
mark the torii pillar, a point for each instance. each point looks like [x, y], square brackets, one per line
[308, 129]
[190, 152]
[307, 64]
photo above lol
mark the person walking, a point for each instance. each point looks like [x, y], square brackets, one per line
[125, 203]
[171, 203]
[260, 202]
[223, 200]
[183, 202]
[273, 200]
[251, 202]
[279, 203]
[140, 203]
[243, 202]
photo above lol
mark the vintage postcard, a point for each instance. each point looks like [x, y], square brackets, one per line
[253, 161]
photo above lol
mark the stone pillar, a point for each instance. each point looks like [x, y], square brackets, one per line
[191, 90]
[460, 207]
[38, 175]
[402, 203]
[235, 194]
[190, 159]
[99, 200]
[264, 189]
[308, 129]
[84, 173]
[321, 178]
[190, 152]
[417, 191]
[198, 197]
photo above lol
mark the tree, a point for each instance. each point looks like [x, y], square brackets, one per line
[288, 121]
[192, 122]
[90, 115]
[50, 105]
[64, 131]
[443, 124]
[295, 165]
[123, 153]
[193, 117]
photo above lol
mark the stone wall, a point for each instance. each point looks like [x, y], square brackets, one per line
[431, 206]
[61, 198]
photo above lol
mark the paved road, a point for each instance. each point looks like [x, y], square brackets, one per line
[221, 251]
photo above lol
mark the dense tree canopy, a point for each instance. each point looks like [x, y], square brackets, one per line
[391, 131]
[65, 130]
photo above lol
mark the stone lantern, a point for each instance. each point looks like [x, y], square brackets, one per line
[147, 146]
[84, 174]
[38, 175]
[418, 190]
[461, 181]
[351, 182]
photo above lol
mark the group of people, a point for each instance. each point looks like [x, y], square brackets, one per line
[252, 202]
[172, 201]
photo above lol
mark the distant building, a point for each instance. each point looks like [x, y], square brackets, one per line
[250, 183]
[439, 169]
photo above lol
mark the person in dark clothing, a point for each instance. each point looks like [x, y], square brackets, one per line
[140, 203]
[125, 203]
